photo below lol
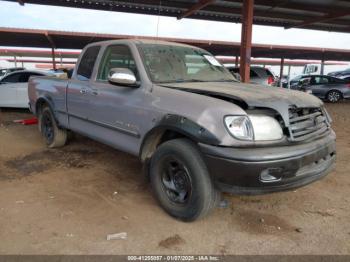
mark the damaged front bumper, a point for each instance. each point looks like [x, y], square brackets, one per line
[269, 169]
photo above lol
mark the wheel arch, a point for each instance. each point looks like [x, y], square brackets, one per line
[172, 127]
[39, 104]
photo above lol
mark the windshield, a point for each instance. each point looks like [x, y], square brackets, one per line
[3, 72]
[174, 64]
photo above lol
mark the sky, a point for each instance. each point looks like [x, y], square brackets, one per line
[84, 20]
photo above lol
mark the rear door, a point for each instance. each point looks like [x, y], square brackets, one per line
[320, 86]
[78, 91]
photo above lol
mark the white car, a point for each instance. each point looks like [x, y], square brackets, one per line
[14, 88]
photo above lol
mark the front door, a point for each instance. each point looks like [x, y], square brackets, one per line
[117, 110]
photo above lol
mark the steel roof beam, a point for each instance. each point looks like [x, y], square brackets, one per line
[319, 20]
[295, 6]
[201, 4]
[49, 38]
[36, 61]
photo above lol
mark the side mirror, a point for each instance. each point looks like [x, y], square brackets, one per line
[122, 76]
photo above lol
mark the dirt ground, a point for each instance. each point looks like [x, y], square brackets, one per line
[66, 201]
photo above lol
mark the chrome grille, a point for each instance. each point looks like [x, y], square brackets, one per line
[307, 123]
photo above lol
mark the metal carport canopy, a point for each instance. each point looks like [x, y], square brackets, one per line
[18, 37]
[36, 53]
[328, 15]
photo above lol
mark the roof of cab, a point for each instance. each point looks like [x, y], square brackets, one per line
[140, 41]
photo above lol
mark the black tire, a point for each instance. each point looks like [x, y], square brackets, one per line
[334, 96]
[54, 136]
[181, 182]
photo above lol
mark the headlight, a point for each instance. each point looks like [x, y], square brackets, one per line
[329, 118]
[240, 127]
[254, 127]
[266, 128]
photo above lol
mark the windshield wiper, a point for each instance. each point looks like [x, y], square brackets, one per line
[196, 80]
[224, 80]
[183, 81]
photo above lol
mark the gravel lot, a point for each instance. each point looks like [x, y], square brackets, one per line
[66, 201]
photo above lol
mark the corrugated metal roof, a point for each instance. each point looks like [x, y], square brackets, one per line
[328, 15]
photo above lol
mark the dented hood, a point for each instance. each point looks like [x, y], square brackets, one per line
[276, 98]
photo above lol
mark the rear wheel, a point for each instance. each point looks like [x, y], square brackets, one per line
[334, 96]
[54, 136]
[181, 181]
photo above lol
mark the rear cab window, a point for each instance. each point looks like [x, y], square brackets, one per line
[87, 63]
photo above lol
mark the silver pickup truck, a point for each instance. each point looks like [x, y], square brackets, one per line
[197, 130]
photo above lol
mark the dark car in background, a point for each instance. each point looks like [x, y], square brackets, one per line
[341, 73]
[346, 78]
[324, 87]
[294, 82]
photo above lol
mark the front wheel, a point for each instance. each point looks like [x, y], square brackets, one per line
[334, 96]
[181, 181]
[54, 136]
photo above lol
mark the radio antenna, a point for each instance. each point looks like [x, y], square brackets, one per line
[159, 10]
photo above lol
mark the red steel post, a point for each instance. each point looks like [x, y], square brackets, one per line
[246, 39]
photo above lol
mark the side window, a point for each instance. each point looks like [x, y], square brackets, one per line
[87, 63]
[24, 78]
[117, 56]
[321, 80]
[307, 81]
[333, 80]
[13, 78]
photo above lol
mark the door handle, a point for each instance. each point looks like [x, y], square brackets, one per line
[83, 91]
